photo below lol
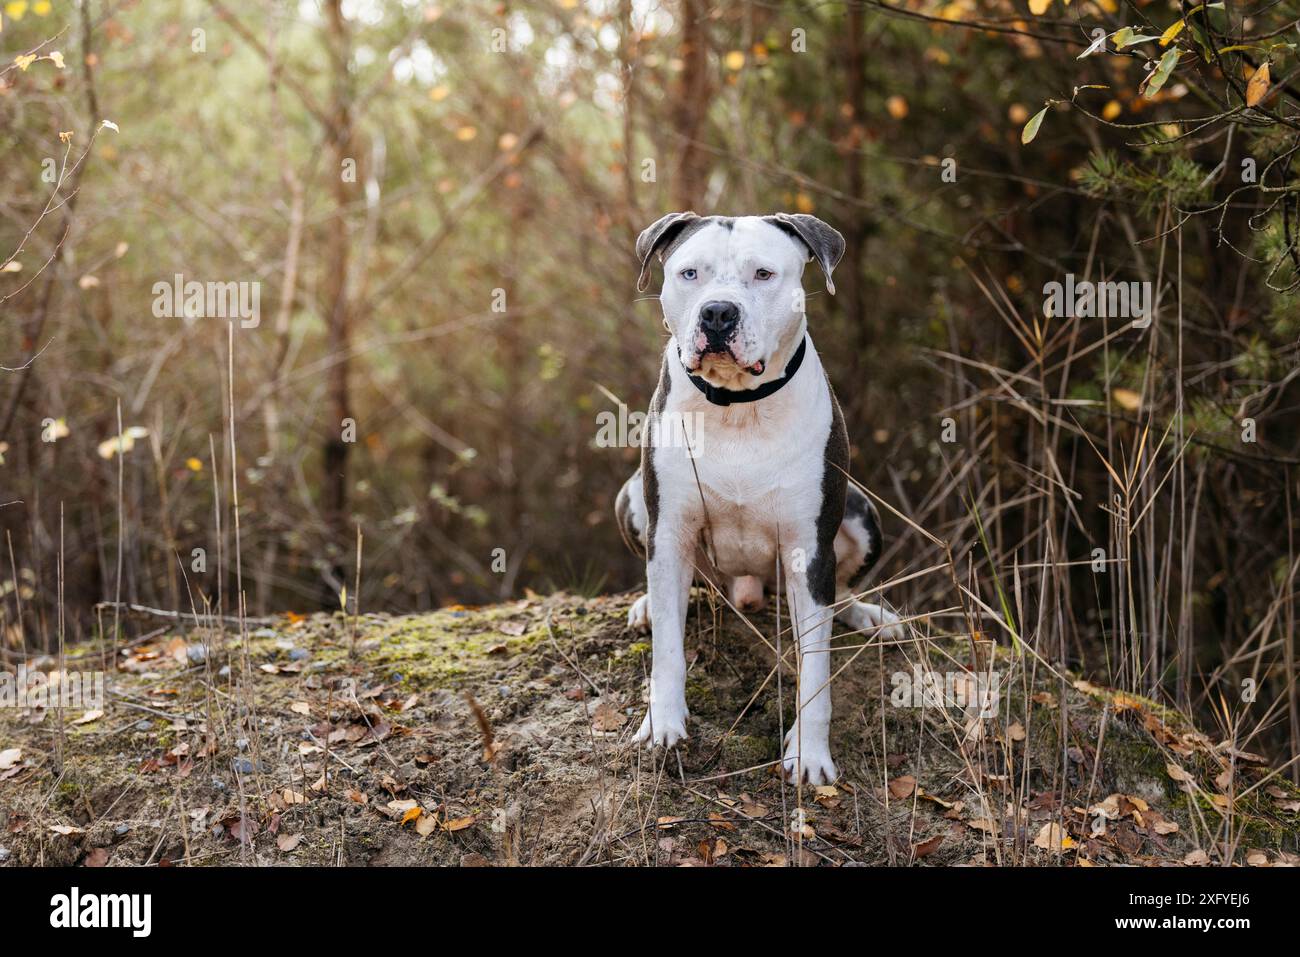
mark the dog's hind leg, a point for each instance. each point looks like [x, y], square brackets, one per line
[630, 512]
[857, 547]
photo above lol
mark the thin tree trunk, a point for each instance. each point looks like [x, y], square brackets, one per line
[690, 106]
[338, 322]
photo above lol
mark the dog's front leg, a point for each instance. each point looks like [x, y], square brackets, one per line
[668, 584]
[807, 744]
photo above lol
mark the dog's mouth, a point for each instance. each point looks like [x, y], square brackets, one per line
[723, 358]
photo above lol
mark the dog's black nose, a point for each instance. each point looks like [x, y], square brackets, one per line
[719, 318]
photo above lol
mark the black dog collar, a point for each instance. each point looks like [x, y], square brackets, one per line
[733, 397]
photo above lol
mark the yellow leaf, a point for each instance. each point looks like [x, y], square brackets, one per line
[24, 60]
[735, 60]
[459, 824]
[1111, 110]
[412, 814]
[1257, 86]
[803, 202]
[1127, 399]
[466, 133]
[1039, 7]
[193, 464]
[15, 9]
[440, 93]
[897, 107]
[41, 8]
[1174, 29]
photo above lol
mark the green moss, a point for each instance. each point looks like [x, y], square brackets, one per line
[443, 646]
[741, 751]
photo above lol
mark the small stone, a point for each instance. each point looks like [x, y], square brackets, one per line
[144, 725]
[122, 830]
[298, 654]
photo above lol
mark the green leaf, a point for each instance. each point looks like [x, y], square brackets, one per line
[1162, 72]
[1031, 128]
[1125, 37]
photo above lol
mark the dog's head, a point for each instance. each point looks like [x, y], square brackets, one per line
[733, 292]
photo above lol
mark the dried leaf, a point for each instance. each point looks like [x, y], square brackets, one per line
[1258, 85]
[902, 787]
[1052, 838]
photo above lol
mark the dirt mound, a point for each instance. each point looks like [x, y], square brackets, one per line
[500, 736]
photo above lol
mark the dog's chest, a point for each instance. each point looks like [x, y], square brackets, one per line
[759, 493]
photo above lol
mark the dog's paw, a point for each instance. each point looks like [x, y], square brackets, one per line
[889, 625]
[873, 620]
[669, 726]
[638, 616]
[808, 757]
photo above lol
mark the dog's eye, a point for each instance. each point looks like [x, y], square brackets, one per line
[688, 274]
[764, 274]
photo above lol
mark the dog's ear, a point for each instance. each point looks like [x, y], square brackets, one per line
[654, 238]
[824, 242]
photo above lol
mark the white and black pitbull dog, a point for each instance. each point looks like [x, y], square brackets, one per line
[746, 455]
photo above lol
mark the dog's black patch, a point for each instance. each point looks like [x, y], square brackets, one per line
[649, 479]
[821, 571]
[623, 512]
[859, 507]
[685, 232]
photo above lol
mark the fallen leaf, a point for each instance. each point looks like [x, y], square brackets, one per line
[89, 716]
[287, 842]
[9, 758]
[97, 858]
[1052, 838]
[901, 787]
[928, 847]
[606, 717]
